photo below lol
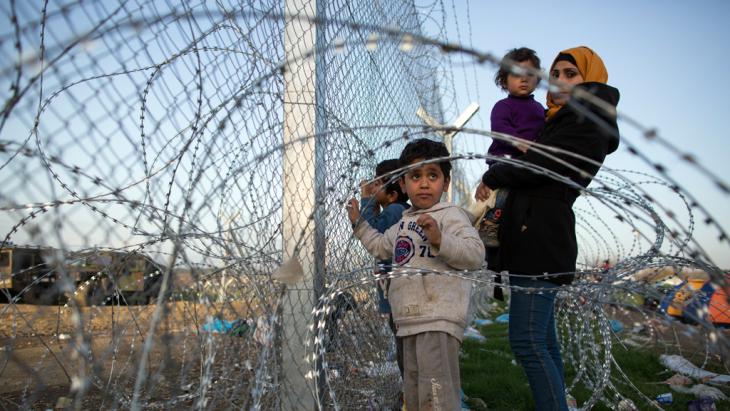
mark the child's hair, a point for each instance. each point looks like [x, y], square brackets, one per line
[515, 56]
[425, 149]
[385, 167]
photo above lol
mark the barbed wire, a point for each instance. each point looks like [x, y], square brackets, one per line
[152, 136]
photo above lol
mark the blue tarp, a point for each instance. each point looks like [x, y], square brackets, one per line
[616, 326]
[216, 325]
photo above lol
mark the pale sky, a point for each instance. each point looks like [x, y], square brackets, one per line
[666, 58]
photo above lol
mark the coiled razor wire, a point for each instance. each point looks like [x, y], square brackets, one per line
[142, 166]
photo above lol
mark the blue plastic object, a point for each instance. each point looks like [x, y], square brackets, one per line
[616, 326]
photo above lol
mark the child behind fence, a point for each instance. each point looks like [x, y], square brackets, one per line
[382, 203]
[429, 308]
[518, 115]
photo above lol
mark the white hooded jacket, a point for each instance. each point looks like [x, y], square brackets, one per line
[429, 302]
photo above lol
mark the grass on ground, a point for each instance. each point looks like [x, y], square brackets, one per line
[492, 381]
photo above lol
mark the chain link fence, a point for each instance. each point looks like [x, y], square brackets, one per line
[160, 161]
[172, 182]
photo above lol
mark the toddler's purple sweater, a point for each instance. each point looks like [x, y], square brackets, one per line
[517, 116]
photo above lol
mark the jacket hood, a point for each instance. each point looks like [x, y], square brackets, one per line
[585, 94]
[441, 205]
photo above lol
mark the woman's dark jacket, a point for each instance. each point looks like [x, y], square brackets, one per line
[537, 232]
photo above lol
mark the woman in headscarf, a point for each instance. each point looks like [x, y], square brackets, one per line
[537, 234]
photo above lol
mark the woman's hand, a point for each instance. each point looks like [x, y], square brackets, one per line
[483, 192]
[353, 210]
[430, 228]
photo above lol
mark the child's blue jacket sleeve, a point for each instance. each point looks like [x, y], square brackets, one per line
[381, 222]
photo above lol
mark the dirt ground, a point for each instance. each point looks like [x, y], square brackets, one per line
[46, 351]
[43, 354]
[24, 320]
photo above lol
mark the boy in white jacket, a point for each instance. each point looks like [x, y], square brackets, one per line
[429, 309]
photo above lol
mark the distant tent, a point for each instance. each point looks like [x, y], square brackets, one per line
[697, 298]
[654, 274]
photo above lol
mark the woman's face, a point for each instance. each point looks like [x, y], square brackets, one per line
[565, 75]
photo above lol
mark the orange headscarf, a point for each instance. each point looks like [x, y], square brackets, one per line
[590, 66]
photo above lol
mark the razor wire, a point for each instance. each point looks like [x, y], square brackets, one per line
[143, 164]
[153, 131]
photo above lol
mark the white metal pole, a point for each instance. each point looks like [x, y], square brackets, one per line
[299, 199]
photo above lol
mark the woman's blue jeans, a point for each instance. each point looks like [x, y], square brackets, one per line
[534, 341]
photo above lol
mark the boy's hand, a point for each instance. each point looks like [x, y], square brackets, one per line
[431, 229]
[353, 210]
[483, 192]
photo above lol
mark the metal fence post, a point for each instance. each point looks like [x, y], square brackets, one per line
[302, 227]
